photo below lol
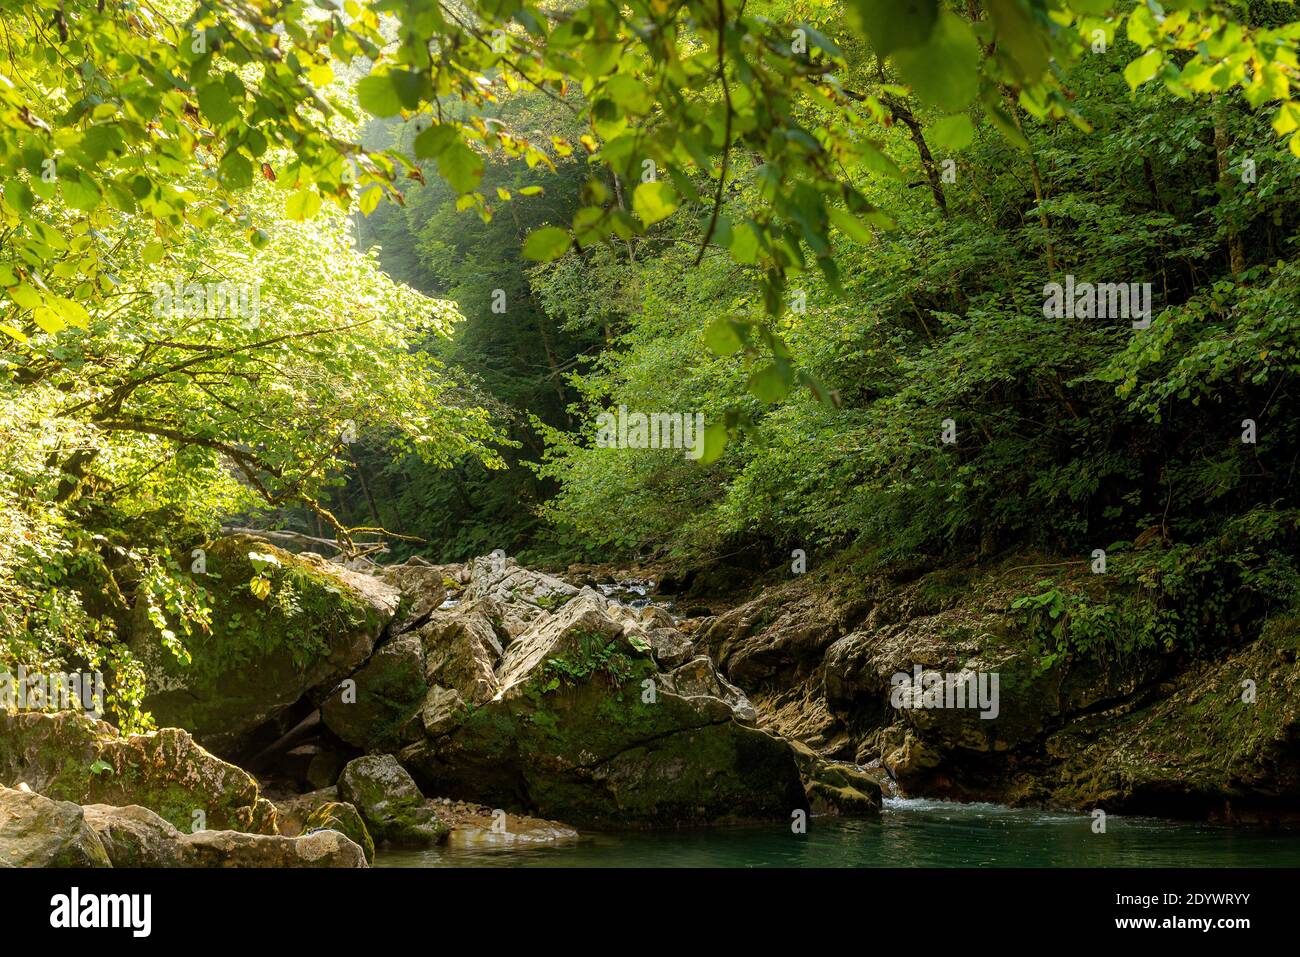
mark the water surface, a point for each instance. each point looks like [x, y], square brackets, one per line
[911, 832]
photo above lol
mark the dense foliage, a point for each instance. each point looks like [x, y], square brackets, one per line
[828, 228]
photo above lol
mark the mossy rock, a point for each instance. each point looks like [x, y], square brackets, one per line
[389, 692]
[73, 757]
[315, 625]
[1203, 749]
[38, 832]
[394, 810]
[345, 819]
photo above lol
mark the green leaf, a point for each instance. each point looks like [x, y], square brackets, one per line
[723, 337]
[715, 440]
[369, 198]
[953, 133]
[945, 70]
[26, 296]
[629, 93]
[431, 143]
[771, 383]
[1020, 37]
[48, 320]
[896, 24]
[81, 192]
[73, 313]
[850, 225]
[1003, 122]
[744, 244]
[378, 96]
[547, 243]
[653, 202]
[216, 102]
[236, 171]
[1143, 68]
[302, 205]
[461, 167]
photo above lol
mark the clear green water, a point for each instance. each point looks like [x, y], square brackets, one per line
[909, 833]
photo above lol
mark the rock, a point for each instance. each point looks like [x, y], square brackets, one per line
[836, 788]
[521, 594]
[1144, 732]
[136, 837]
[424, 588]
[292, 812]
[71, 756]
[480, 830]
[345, 819]
[585, 728]
[462, 649]
[776, 636]
[700, 677]
[390, 802]
[318, 625]
[389, 691]
[671, 647]
[236, 849]
[36, 831]
[1199, 749]
[443, 711]
[325, 768]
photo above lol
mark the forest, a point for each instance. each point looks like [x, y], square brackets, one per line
[981, 302]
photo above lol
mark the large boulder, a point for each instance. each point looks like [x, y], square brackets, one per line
[584, 726]
[1221, 742]
[377, 709]
[390, 802]
[307, 624]
[36, 831]
[72, 757]
[136, 837]
[462, 647]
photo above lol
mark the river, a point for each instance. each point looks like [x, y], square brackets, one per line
[909, 832]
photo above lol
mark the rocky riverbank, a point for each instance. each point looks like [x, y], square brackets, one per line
[1213, 735]
[483, 703]
[490, 704]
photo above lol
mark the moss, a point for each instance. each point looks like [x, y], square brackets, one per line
[552, 601]
[1201, 745]
[305, 607]
[345, 819]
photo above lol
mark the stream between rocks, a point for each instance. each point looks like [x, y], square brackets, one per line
[910, 832]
